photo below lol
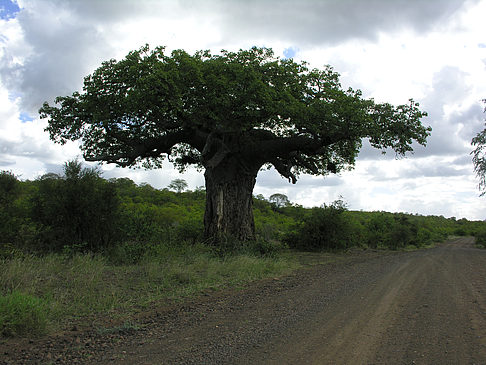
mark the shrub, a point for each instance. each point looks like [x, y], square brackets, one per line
[377, 229]
[395, 231]
[266, 248]
[78, 208]
[22, 315]
[480, 236]
[325, 228]
[400, 236]
[460, 231]
[190, 230]
[9, 191]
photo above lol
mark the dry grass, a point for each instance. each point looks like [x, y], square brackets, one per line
[84, 284]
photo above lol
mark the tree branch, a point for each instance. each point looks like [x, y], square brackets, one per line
[212, 159]
[310, 165]
[269, 146]
[152, 147]
[284, 168]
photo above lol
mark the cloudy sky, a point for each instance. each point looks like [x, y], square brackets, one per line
[433, 51]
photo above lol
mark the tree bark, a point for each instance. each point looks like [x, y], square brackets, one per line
[229, 201]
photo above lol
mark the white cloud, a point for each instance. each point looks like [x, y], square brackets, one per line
[308, 22]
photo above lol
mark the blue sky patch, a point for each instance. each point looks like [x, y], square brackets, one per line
[24, 118]
[8, 9]
[290, 52]
[482, 45]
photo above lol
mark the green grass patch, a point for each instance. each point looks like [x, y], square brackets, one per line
[22, 315]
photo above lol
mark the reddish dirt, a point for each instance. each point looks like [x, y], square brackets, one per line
[422, 307]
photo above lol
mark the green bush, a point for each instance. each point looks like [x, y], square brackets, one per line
[480, 236]
[377, 228]
[396, 230]
[190, 230]
[266, 248]
[80, 212]
[22, 315]
[400, 236]
[326, 228]
[9, 192]
[78, 208]
[460, 231]
[424, 236]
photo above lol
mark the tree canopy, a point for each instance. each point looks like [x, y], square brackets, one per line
[279, 200]
[231, 114]
[150, 106]
[179, 185]
[479, 157]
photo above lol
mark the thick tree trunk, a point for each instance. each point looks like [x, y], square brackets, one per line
[229, 201]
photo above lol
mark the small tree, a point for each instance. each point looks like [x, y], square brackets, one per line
[76, 209]
[279, 200]
[9, 188]
[179, 185]
[230, 114]
[9, 192]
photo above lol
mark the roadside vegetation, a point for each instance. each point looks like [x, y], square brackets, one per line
[76, 246]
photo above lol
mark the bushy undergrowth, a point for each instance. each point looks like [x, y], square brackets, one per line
[80, 212]
[57, 288]
[333, 227]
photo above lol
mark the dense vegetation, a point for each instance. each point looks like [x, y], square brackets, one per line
[77, 244]
[80, 211]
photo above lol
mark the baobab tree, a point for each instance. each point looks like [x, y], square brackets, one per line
[230, 114]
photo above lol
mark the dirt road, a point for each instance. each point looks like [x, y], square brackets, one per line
[423, 307]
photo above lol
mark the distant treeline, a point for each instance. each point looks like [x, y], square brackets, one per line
[80, 211]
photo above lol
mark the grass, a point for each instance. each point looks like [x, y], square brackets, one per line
[21, 315]
[50, 292]
[39, 295]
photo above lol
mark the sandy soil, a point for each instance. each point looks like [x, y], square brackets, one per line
[422, 307]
